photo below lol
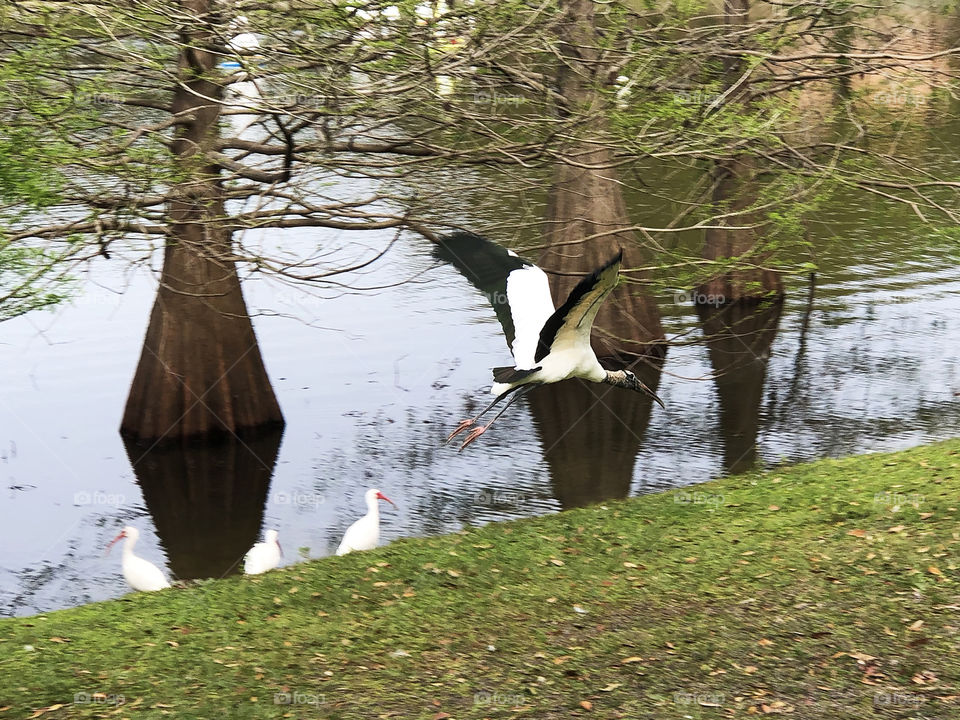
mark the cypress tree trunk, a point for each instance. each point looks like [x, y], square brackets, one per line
[200, 372]
[585, 200]
[735, 181]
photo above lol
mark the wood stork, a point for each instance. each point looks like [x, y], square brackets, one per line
[263, 556]
[364, 534]
[140, 574]
[548, 345]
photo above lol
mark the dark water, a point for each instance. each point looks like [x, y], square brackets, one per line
[371, 382]
[862, 359]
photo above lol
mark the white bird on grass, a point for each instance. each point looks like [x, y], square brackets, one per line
[140, 574]
[264, 555]
[364, 534]
[548, 345]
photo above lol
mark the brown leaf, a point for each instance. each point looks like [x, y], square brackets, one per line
[858, 533]
[934, 570]
[586, 705]
[43, 710]
[631, 659]
[441, 716]
[764, 642]
[897, 528]
[773, 507]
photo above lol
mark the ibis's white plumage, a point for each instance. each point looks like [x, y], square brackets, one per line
[263, 556]
[364, 534]
[140, 574]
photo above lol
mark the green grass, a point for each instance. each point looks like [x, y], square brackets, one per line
[797, 591]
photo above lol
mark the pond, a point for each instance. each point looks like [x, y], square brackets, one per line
[862, 358]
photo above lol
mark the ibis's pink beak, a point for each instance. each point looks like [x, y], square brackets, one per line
[113, 542]
[381, 496]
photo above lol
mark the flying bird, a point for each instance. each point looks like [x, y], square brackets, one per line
[364, 534]
[140, 574]
[548, 345]
[264, 555]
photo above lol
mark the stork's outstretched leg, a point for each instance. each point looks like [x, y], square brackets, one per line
[477, 432]
[464, 424]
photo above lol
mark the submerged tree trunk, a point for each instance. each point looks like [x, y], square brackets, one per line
[200, 372]
[735, 183]
[586, 201]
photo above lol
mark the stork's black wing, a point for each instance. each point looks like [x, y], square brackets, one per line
[571, 324]
[516, 288]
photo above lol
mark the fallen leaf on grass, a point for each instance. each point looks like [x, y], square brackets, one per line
[897, 528]
[586, 705]
[43, 710]
[857, 533]
[631, 659]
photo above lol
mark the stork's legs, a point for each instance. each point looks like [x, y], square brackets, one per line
[464, 424]
[477, 432]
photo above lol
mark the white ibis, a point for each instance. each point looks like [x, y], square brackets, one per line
[364, 534]
[264, 555]
[548, 345]
[140, 574]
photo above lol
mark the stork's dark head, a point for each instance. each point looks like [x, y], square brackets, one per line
[632, 382]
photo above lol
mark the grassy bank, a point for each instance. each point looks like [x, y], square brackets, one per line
[826, 590]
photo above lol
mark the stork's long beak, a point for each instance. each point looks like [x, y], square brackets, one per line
[652, 394]
[280, 548]
[113, 542]
[384, 497]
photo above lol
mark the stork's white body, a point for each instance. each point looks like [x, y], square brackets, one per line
[263, 556]
[364, 534]
[578, 361]
[571, 354]
[140, 574]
